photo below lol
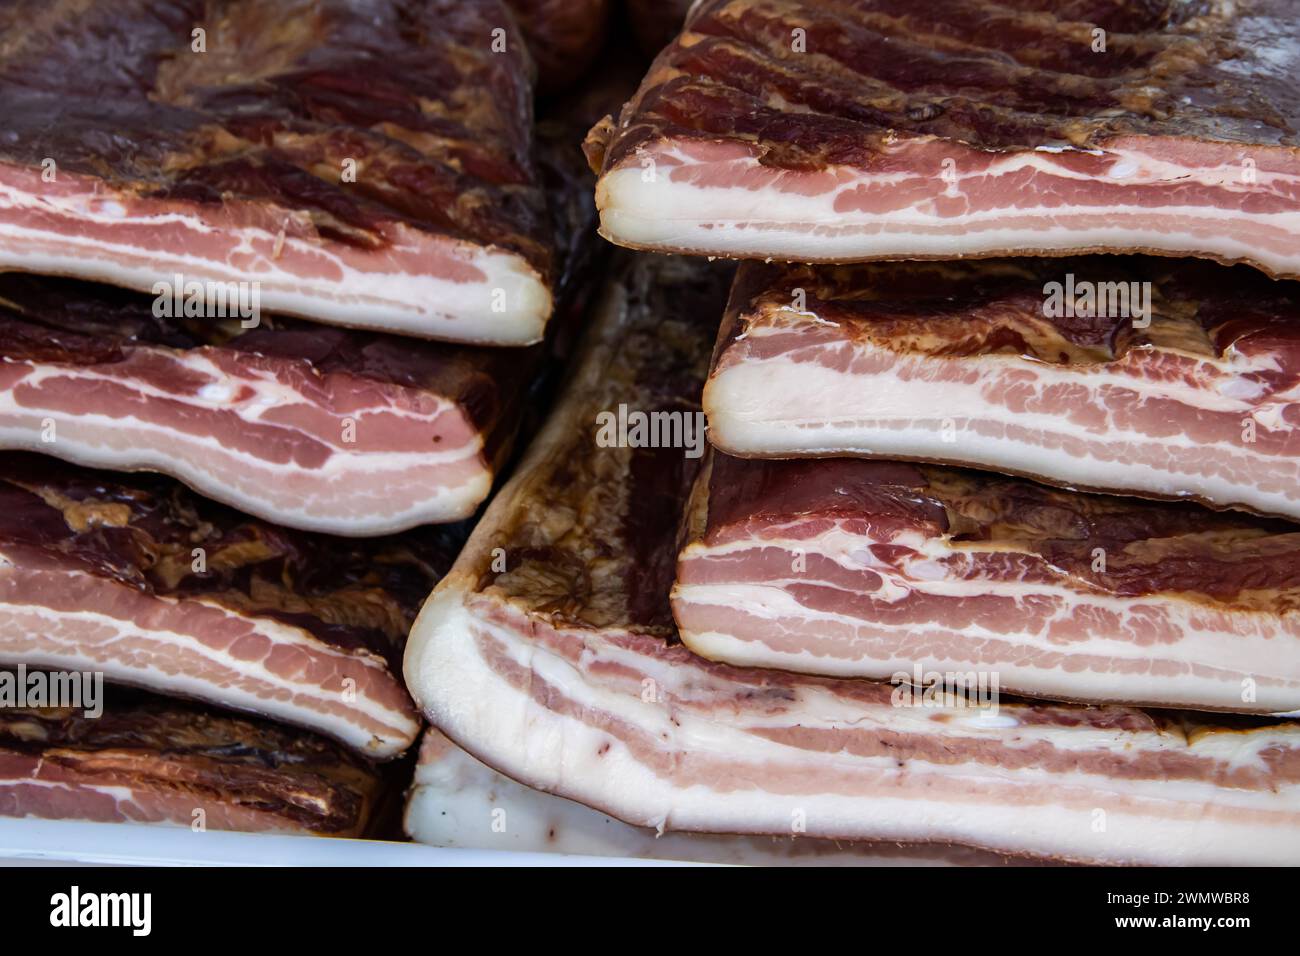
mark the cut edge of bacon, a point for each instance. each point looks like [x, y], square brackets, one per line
[362, 488]
[732, 604]
[838, 394]
[418, 284]
[1024, 808]
[717, 198]
[456, 799]
[66, 619]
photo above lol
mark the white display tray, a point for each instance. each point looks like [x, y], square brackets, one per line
[38, 842]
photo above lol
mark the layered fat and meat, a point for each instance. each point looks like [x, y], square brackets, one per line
[145, 760]
[139, 580]
[816, 132]
[887, 570]
[367, 165]
[1138, 375]
[353, 433]
[458, 801]
[549, 653]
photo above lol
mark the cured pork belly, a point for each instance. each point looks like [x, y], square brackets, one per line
[366, 164]
[458, 801]
[876, 569]
[548, 652]
[353, 433]
[1193, 393]
[138, 579]
[840, 132]
[150, 761]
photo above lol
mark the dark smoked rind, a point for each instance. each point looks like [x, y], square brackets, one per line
[996, 77]
[649, 363]
[999, 306]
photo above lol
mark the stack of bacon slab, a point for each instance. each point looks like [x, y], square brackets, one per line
[549, 654]
[376, 168]
[1013, 475]
[372, 176]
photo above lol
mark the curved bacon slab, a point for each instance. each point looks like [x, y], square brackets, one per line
[876, 569]
[1186, 385]
[548, 653]
[367, 165]
[150, 761]
[814, 132]
[152, 586]
[351, 433]
[457, 801]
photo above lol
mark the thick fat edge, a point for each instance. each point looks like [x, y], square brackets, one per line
[454, 797]
[464, 313]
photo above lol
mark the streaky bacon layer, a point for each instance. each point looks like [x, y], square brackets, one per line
[882, 570]
[140, 580]
[343, 448]
[65, 619]
[962, 128]
[957, 362]
[415, 283]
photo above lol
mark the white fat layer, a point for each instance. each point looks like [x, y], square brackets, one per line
[805, 225]
[508, 306]
[271, 695]
[783, 407]
[1027, 810]
[323, 499]
[459, 802]
[1208, 667]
